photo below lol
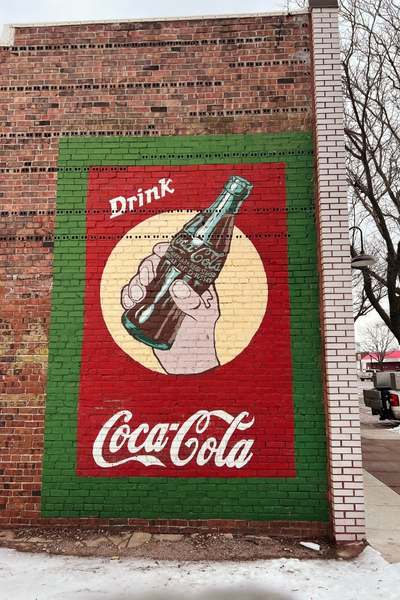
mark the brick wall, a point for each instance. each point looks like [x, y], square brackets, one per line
[213, 84]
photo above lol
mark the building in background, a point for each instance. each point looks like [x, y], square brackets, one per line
[177, 302]
[391, 362]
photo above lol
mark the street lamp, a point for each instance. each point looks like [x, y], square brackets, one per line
[361, 260]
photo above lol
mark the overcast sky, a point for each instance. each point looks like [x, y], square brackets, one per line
[34, 11]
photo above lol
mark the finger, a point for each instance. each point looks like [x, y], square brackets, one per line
[135, 290]
[148, 269]
[185, 297]
[146, 272]
[207, 298]
[213, 294]
[160, 249]
[126, 301]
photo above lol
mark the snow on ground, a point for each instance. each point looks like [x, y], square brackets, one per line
[43, 577]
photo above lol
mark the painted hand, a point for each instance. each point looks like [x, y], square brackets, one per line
[193, 350]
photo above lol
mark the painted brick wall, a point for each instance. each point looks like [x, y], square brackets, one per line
[214, 84]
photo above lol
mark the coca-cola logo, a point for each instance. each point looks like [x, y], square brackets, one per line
[209, 259]
[205, 256]
[120, 441]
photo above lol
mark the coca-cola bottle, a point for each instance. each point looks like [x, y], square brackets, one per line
[196, 254]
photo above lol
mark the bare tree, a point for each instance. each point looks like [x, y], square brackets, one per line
[370, 31]
[379, 341]
[361, 304]
[294, 4]
[371, 71]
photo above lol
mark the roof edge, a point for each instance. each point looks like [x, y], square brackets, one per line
[157, 19]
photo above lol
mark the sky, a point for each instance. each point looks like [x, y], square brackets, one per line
[34, 11]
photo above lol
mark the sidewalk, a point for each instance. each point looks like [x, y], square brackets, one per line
[380, 449]
[382, 508]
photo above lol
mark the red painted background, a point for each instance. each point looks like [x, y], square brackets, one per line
[258, 380]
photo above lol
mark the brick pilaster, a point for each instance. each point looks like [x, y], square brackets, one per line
[341, 394]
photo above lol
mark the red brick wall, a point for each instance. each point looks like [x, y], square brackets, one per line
[183, 77]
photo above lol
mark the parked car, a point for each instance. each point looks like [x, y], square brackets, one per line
[384, 398]
[365, 375]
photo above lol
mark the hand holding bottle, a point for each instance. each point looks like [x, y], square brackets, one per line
[171, 303]
[193, 350]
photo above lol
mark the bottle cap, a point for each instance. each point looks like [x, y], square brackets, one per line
[238, 186]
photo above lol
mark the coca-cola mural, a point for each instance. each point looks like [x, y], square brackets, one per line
[172, 352]
[184, 283]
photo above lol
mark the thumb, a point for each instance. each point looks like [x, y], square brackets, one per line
[184, 296]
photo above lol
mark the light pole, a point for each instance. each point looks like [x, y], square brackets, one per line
[360, 260]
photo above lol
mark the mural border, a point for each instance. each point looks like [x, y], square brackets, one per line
[64, 494]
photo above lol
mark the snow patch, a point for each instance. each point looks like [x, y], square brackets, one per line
[43, 577]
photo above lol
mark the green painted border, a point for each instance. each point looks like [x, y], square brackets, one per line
[66, 495]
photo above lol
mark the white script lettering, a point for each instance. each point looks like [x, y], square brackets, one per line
[120, 205]
[182, 441]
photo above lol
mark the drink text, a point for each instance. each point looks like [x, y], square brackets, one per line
[121, 205]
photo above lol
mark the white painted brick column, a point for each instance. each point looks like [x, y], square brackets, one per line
[341, 392]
